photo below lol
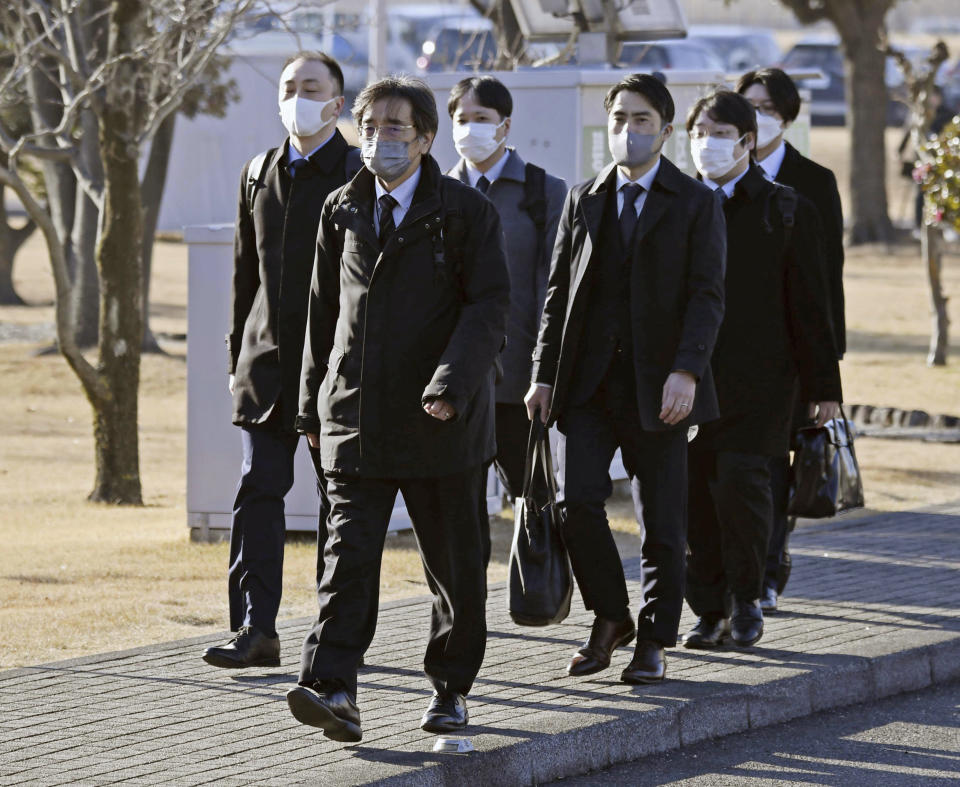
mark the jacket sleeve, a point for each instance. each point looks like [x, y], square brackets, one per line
[246, 275]
[831, 214]
[547, 352]
[706, 268]
[478, 336]
[808, 306]
[323, 310]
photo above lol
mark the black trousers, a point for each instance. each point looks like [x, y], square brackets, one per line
[656, 463]
[512, 426]
[258, 528]
[444, 515]
[779, 525]
[730, 510]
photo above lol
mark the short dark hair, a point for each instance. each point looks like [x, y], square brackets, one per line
[423, 106]
[782, 90]
[318, 57]
[648, 86]
[725, 106]
[490, 93]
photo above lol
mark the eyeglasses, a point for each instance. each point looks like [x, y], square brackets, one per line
[765, 109]
[386, 132]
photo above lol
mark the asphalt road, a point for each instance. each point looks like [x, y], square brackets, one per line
[911, 739]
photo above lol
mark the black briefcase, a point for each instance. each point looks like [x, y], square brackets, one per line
[541, 582]
[826, 477]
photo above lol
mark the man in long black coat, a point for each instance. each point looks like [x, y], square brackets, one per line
[777, 102]
[408, 309]
[281, 192]
[776, 332]
[634, 301]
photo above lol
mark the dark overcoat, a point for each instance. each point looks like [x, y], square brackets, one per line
[390, 329]
[676, 290]
[777, 326]
[819, 185]
[273, 257]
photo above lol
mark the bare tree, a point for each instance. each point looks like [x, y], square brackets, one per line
[119, 70]
[920, 89]
[861, 26]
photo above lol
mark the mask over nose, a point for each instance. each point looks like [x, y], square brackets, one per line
[631, 148]
[303, 117]
[476, 141]
[388, 159]
[768, 129]
[713, 157]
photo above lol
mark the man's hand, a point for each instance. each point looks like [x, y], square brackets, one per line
[231, 382]
[440, 410]
[823, 411]
[313, 440]
[678, 393]
[538, 398]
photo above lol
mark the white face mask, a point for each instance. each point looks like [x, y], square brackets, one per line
[303, 117]
[476, 141]
[713, 157]
[768, 129]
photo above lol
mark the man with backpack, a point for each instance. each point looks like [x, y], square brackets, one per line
[529, 202]
[408, 309]
[281, 192]
[776, 338]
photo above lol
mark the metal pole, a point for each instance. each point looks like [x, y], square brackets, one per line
[378, 40]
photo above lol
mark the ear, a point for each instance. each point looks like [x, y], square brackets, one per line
[338, 107]
[787, 124]
[750, 140]
[667, 131]
[426, 142]
[506, 127]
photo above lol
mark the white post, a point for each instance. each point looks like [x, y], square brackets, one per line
[378, 40]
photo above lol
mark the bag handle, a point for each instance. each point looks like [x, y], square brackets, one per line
[539, 458]
[531, 456]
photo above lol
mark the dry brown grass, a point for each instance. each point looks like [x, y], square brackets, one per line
[81, 578]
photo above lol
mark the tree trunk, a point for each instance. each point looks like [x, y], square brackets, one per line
[151, 196]
[85, 293]
[10, 242]
[867, 96]
[931, 248]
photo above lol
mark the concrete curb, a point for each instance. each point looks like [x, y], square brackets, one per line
[546, 757]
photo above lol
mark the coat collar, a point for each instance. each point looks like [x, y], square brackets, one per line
[668, 177]
[514, 168]
[327, 159]
[752, 183]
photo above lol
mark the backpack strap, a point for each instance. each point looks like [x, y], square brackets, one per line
[255, 182]
[534, 203]
[786, 199]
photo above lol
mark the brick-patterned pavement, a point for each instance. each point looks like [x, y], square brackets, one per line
[872, 609]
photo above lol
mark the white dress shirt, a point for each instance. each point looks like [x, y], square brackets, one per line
[403, 194]
[645, 180]
[727, 187]
[473, 174]
[772, 163]
[294, 155]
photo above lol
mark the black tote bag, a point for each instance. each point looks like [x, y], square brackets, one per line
[826, 477]
[541, 582]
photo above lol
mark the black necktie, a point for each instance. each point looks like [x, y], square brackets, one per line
[387, 204]
[721, 194]
[483, 184]
[296, 166]
[628, 213]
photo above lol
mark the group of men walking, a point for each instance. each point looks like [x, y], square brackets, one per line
[409, 323]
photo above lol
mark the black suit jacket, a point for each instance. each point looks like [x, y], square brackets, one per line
[819, 185]
[777, 324]
[273, 258]
[678, 294]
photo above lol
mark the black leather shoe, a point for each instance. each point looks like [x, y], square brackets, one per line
[709, 632]
[329, 706]
[768, 599]
[648, 665]
[746, 623]
[249, 648]
[605, 637]
[447, 712]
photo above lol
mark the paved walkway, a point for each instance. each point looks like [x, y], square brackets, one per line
[872, 611]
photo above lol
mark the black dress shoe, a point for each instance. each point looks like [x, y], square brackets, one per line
[768, 599]
[605, 637]
[709, 632]
[249, 648]
[746, 623]
[329, 706]
[648, 665]
[447, 712]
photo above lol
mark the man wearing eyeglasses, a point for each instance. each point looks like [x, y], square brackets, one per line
[408, 310]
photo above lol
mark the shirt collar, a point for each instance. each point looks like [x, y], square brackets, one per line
[772, 163]
[473, 174]
[295, 155]
[403, 193]
[645, 180]
[727, 187]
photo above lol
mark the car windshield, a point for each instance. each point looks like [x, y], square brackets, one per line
[824, 57]
[474, 49]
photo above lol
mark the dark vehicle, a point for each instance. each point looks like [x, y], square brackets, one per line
[739, 47]
[659, 55]
[466, 44]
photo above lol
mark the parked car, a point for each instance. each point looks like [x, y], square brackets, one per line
[828, 104]
[464, 44]
[738, 46]
[663, 55]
